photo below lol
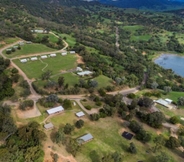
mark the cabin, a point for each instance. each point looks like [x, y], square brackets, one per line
[44, 57]
[15, 47]
[55, 110]
[34, 58]
[80, 114]
[53, 55]
[79, 69]
[23, 60]
[83, 73]
[72, 52]
[164, 103]
[21, 43]
[48, 126]
[64, 53]
[127, 135]
[86, 138]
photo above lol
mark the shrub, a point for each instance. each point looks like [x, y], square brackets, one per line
[88, 107]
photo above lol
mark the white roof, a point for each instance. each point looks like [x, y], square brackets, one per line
[80, 114]
[44, 56]
[53, 54]
[78, 69]
[72, 51]
[55, 110]
[34, 58]
[48, 126]
[23, 60]
[168, 100]
[163, 102]
[86, 137]
[84, 73]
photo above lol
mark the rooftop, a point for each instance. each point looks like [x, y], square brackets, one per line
[84, 73]
[48, 126]
[85, 138]
[80, 114]
[55, 110]
[127, 135]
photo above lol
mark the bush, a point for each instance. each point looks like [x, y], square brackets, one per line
[27, 104]
[88, 107]
[131, 95]
[98, 103]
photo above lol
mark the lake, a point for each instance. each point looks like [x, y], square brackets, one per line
[174, 62]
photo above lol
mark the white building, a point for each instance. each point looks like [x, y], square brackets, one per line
[64, 53]
[34, 58]
[72, 52]
[86, 138]
[55, 110]
[80, 114]
[53, 55]
[23, 60]
[79, 69]
[169, 100]
[48, 126]
[85, 73]
[44, 57]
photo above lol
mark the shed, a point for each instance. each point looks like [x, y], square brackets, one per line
[53, 55]
[169, 100]
[48, 126]
[44, 57]
[21, 43]
[86, 138]
[64, 53]
[55, 110]
[79, 69]
[72, 52]
[9, 49]
[163, 103]
[15, 47]
[23, 60]
[34, 58]
[84, 73]
[28, 42]
[127, 135]
[80, 114]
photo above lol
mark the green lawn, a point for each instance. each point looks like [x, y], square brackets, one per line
[29, 49]
[133, 27]
[103, 81]
[8, 41]
[141, 37]
[69, 39]
[70, 78]
[33, 69]
[52, 38]
[173, 95]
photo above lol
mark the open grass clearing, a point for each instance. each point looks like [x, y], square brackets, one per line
[133, 28]
[7, 41]
[103, 81]
[52, 38]
[58, 64]
[69, 39]
[141, 37]
[29, 49]
[89, 102]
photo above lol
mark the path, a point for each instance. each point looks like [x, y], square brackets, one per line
[117, 38]
[46, 65]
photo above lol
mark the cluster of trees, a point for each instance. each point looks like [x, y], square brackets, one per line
[5, 80]
[26, 141]
[27, 104]
[26, 88]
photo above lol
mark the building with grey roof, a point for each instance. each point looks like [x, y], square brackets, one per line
[86, 138]
[48, 126]
[80, 114]
[87, 72]
[55, 110]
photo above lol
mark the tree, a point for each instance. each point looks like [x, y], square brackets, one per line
[68, 128]
[159, 142]
[146, 102]
[79, 123]
[174, 119]
[132, 149]
[154, 85]
[94, 117]
[58, 136]
[167, 89]
[93, 83]
[181, 101]
[155, 119]
[72, 146]
[61, 81]
[134, 126]
[67, 104]
[52, 98]
[162, 157]
[46, 75]
[143, 136]
[172, 143]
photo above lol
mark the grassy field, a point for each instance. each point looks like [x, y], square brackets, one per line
[8, 41]
[174, 95]
[29, 49]
[70, 78]
[103, 81]
[141, 37]
[69, 39]
[133, 27]
[52, 38]
[33, 69]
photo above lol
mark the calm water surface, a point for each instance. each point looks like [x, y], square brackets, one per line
[174, 62]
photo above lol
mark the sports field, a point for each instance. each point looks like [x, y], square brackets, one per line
[29, 49]
[58, 64]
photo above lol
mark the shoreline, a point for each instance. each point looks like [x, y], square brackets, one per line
[166, 53]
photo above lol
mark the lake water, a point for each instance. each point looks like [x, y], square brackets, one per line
[174, 62]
